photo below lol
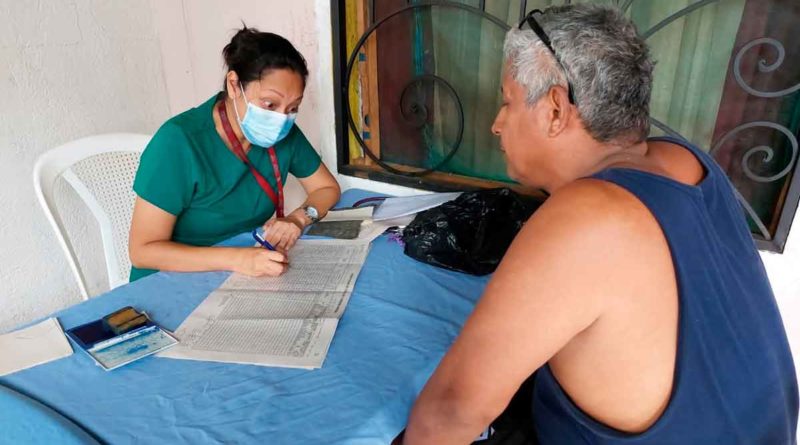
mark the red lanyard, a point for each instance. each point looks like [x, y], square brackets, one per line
[277, 199]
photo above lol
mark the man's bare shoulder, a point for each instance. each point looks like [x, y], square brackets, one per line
[589, 238]
[592, 209]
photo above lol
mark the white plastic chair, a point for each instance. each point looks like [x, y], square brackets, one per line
[101, 170]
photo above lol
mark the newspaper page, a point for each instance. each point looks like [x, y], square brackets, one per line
[286, 321]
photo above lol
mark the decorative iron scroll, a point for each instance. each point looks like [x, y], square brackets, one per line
[764, 67]
[767, 153]
[411, 108]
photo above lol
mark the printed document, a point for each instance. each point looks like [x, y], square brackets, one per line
[284, 321]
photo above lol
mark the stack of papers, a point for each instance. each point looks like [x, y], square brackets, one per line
[284, 321]
[34, 345]
[391, 212]
[392, 208]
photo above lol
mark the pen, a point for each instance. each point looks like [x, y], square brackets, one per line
[264, 243]
[120, 338]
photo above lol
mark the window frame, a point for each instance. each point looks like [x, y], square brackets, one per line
[442, 182]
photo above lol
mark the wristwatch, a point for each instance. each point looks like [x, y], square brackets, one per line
[311, 213]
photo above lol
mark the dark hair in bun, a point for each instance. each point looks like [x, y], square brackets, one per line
[250, 53]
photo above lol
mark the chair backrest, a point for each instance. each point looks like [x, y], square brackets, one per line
[101, 170]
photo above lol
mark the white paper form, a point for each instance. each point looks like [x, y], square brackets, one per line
[409, 205]
[31, 346]
[283, 321]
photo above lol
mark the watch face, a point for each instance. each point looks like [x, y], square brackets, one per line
[312, 213]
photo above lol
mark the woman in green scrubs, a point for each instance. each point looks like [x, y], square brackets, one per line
[217, 170]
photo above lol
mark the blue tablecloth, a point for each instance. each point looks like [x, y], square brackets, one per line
[400, 320]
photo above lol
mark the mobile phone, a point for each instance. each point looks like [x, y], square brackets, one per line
[90, 334]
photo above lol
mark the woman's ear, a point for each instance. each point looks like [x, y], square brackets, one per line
[232, 85]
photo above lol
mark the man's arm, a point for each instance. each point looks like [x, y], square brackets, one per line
[556, 280]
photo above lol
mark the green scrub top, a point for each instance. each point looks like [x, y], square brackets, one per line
[188, 171]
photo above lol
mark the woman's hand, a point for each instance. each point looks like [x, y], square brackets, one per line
[282, 233]
[259, 262]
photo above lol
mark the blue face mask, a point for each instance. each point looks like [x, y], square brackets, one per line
[263, 127]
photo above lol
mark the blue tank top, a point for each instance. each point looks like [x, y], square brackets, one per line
[734, 380]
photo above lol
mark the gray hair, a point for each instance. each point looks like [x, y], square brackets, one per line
[607, 62]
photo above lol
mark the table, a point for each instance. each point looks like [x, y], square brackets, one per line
[400, 320]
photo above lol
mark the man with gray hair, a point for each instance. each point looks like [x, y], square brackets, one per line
[635, 293]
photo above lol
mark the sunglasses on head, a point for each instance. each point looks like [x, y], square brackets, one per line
[539, 31]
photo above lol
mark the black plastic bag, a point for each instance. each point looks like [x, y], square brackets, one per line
[471, 233]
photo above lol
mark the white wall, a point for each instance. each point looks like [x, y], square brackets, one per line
[68, 69]
[784, 274]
